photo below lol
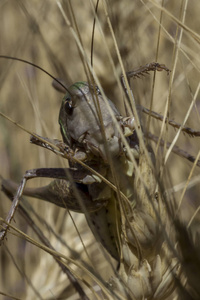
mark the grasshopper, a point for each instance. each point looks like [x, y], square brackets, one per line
[109, 179]
[90, 135]
[101, 181]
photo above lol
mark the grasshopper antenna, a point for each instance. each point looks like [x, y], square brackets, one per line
[37, 67]
[93, 30]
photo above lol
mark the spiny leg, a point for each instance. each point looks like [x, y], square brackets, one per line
[175, 149]
[188, 130]
[141, 71]
[13, 208]
[159, 67]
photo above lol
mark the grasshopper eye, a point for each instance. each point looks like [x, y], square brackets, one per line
[68, 106]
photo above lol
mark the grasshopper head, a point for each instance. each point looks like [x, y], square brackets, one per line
[85, 121]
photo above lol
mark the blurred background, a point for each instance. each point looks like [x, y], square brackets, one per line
[37, 31]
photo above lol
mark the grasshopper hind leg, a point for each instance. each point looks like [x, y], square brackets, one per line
[62, 192]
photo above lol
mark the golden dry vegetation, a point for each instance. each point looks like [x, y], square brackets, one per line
[38, 32]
